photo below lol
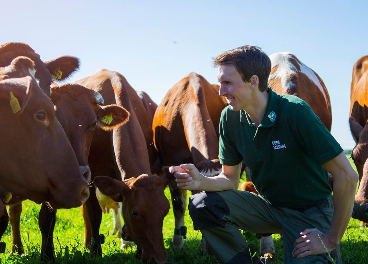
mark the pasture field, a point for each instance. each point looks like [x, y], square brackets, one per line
[69, 232]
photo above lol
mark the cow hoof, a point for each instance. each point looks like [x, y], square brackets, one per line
[126, 244]
[267, 258]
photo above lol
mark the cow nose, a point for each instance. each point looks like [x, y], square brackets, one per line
[86, 172]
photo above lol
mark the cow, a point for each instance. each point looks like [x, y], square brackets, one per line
[148, 104]
[123, 154]
[57, 69]
[358, 119]
[45, 72]
[290, 76]
[80, 111]
[34, 145]
[185, 128]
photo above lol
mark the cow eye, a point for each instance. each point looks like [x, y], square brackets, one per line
[41, 115]
[134, 213]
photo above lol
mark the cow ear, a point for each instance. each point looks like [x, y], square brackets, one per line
[16, 92]
[61, 68]
[167, 177]
[112, 116]
[115, 189]
[355, 129]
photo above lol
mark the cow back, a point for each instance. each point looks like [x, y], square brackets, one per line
[185, 124]
[290, 76]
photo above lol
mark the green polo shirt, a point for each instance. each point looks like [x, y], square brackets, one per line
[285, 152]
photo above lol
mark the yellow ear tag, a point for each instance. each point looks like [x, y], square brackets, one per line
[57, 74]
[14, 103]
[107, 119]
[7, 198]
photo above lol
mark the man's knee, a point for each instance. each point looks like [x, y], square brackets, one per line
[207, 210]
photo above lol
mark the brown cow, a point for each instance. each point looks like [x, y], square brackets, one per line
[122, 155]
[33, 143]
[185, 129]
[290, 76]
[46, 72]
[80, 111]
[148, 104]
[359, 130]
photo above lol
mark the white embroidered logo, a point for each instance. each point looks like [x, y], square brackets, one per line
[277, 145]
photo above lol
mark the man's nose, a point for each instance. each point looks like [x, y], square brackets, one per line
[222, 90]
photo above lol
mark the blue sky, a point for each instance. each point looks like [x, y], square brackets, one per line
[155, 44]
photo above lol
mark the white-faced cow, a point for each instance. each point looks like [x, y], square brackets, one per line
[122, 154]
[185, 128]
[359, 130]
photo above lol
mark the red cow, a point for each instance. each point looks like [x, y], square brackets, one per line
[34, 145]
[148, 104]
[80, 111]
[185, 128]
[359, 130]
[46, 72]
[122, 155]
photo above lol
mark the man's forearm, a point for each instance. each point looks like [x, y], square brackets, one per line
[343, 197]
[218, 183]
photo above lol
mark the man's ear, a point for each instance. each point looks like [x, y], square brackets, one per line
[254, 81]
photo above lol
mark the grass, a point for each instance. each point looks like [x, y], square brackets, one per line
[69, 232]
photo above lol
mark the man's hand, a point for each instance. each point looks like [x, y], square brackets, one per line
[312, 242]
[187, 176]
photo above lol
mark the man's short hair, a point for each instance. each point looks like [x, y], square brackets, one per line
[249, 61]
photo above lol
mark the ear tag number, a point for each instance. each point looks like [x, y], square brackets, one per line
[107, 119]
[14, 103]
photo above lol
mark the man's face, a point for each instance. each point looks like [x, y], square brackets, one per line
[233, 88]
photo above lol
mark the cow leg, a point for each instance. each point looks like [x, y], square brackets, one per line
[4, 220]
[93, 212]
[118, 226]
[46, 222]
[87, 227]
[179, 202]
[267, 246]
[15, 211]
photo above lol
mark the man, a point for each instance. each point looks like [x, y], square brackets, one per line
[289, 152]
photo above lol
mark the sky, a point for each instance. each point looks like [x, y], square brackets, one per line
[155, 44]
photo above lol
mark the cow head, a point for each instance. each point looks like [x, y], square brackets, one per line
[36, 159]
[80, 110]
[45, 72]
[144, 208]
[360, 156]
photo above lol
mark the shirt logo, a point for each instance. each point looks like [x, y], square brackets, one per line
[272, 116]
[277, 145]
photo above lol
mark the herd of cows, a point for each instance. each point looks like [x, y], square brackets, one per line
[98, 142]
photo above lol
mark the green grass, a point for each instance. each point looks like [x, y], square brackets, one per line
[69, 232]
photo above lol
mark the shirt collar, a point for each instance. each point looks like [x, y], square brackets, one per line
[270, 116]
